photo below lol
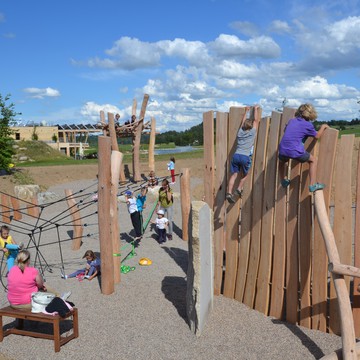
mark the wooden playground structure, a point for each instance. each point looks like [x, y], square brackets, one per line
[276, 260]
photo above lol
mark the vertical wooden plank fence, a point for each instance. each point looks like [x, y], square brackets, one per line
[276, 259]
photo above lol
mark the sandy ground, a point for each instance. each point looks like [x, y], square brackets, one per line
[145, 317]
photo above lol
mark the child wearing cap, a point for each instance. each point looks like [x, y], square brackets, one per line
[161, 224]
[134, 214]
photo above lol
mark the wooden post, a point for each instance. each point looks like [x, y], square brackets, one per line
[32, 207]
[185, 202]
[116, 161]
[356, 295]
[152, 145]
[102, 121]
[75, 214]
[221, 161]
[137, 140]
[346, 318]
[209, 160]
[115, 145]
[104, 189]
[16, 206]
[5, 208]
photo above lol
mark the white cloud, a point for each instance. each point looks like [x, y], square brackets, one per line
[2, 17]
[90, 111]
[245, 27]
[231, 46]
[280, 27]
[38, 93]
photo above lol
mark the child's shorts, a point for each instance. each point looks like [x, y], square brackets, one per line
[302, 159]
[240, 163]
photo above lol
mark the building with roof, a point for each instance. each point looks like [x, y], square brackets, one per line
[64, 138]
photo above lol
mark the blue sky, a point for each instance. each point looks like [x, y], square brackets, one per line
[64, 61]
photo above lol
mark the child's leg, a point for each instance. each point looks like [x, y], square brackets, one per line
[76, 273]
[242, 182]
[170, 216]
[172, 175]
[231, 183]
[10, 262]
[312, 169]
[162, 235]
[12, 247]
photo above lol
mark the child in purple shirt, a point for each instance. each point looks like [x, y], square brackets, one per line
[291, 145]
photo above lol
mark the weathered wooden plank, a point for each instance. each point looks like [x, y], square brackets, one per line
[245, 234]
[222, 164]
[342, 220]
[257, 196]
[356, 293]
[325, 167]
[76, 219]
[209, 158]
[263, 283]
[236, 115]
[305, 240]
[279, 253]
[292, 260]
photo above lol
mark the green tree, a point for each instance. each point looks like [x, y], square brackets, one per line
[7, 115]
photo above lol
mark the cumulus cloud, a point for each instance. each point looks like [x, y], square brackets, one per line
[280, 27]
[245, 27]
[231, 46]
[91, 111]
[38, 93]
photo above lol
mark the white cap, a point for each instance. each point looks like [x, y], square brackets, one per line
[161, 212]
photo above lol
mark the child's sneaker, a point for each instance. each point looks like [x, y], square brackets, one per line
[21, 246]
[230, 198]
[285, 183]
[316, 186]
[63, 276]
[86, 276]
[239, 192]
[65, 295]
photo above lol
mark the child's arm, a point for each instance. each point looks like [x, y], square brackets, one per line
[93, 275]
[256, 116]
[247, 108]
[323, 127]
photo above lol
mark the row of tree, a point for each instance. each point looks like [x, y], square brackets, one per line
[7, 119]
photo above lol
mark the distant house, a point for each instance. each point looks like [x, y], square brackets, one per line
[65, 135]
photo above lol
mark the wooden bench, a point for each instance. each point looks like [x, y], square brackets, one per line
[22, 315]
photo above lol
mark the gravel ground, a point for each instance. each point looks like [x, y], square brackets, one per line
[145, 318]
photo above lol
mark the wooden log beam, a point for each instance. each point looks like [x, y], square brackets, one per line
[342, 269]
[104, 190]
[346, 317]
[152, 145]
[116, 162]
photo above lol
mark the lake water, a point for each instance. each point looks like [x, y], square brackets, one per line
[176, 150]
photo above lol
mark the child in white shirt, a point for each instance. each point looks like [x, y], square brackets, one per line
[161, 224]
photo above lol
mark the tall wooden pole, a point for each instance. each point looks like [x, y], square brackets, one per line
[137, 140]
[116, 161]
[104, 190]
[152, 145]
[185, 202]
[114, 143]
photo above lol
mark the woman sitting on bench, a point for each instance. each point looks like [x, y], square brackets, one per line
[23, 280]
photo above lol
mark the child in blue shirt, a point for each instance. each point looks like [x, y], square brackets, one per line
[140, 202]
